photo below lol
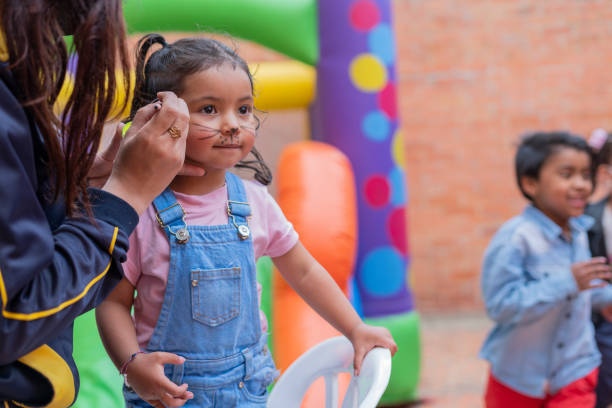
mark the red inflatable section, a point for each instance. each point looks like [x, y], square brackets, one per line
[316, 191]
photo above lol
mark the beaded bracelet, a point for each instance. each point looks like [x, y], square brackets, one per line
[125, 365]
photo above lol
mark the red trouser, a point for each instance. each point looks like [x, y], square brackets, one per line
[579, 394]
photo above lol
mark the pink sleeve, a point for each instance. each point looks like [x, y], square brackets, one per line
[131, 267]
[280, 232]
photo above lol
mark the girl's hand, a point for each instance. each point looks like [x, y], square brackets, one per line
[590, 274]
[145, 374]
[149, 157]
[365, 338]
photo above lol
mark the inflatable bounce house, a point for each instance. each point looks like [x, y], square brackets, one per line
[343, 188]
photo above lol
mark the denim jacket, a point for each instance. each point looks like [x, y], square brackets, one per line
[543, 337]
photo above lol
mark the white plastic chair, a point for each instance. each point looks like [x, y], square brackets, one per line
[328, 359]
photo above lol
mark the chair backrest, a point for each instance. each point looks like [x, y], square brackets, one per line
[328, 359]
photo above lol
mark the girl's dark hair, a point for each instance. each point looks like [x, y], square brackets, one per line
[38, 59]
[536, 148]
[167, 68]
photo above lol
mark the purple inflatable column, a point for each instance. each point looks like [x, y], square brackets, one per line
[356, 111]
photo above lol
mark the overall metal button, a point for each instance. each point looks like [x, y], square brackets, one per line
[194, 283]
[243, 231]
[182, 236]
[240, 384]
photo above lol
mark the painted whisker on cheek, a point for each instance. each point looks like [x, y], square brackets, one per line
[207, 137]
[212, 132]
[249, 129]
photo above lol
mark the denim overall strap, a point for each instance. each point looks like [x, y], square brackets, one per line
[237, 203]
[170, 216]
[238, 209]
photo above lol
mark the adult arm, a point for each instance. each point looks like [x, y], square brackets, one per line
[49, 277]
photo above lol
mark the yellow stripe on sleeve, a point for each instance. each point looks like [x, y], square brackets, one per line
[52, 366]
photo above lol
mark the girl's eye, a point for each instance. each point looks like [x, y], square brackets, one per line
[244, 109]
[209, 109]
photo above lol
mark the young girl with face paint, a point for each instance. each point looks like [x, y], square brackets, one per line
[197, 320]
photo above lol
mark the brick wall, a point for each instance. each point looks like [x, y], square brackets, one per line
[473, 75]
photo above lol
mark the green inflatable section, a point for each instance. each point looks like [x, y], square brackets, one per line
[406, 363]
[265, 269]
[287, 26]
[100, 381]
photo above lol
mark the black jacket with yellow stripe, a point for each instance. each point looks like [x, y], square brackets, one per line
[52, 268]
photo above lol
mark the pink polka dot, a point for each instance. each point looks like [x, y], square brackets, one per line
[377, 191]
[396, 228]
[387, 101]
[364, 15]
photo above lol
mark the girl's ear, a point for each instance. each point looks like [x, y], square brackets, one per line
[529, 185]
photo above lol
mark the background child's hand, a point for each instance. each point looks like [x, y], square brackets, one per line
[145, 374]
[365, 338]
[588, 271]
[606, 312]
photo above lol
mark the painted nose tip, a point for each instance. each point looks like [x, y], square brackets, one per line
[231, 131]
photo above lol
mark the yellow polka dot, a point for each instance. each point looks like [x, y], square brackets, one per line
[368, 73]
[397, 149]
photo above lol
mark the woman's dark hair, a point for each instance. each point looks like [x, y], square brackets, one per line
[167, 68]
[536, 148]
[38, 59]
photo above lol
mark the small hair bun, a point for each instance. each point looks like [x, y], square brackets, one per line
[598, 138]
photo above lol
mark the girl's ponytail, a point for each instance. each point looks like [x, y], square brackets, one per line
[142, 94]
[259, 166]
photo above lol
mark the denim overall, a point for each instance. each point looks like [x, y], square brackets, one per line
[210, 313]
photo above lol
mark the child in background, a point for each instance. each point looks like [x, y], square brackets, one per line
[602, 174]
[538, 279]
[196, 315]
[600, 242]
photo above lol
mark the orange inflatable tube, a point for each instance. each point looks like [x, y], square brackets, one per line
[316, 191]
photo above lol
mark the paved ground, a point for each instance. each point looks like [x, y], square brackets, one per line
[452, 375]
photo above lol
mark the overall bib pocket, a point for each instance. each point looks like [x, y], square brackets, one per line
[215, 295]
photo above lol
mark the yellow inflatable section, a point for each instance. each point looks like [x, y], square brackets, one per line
[283, 85]
[278, 85]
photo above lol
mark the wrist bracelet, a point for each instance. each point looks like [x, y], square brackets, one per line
[124, 367]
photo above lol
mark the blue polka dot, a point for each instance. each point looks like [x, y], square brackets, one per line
[355, 296]
[376, 126]
[383, 272]
[398, 183]
[381, 43]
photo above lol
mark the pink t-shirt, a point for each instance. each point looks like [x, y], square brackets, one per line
[148, 258]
